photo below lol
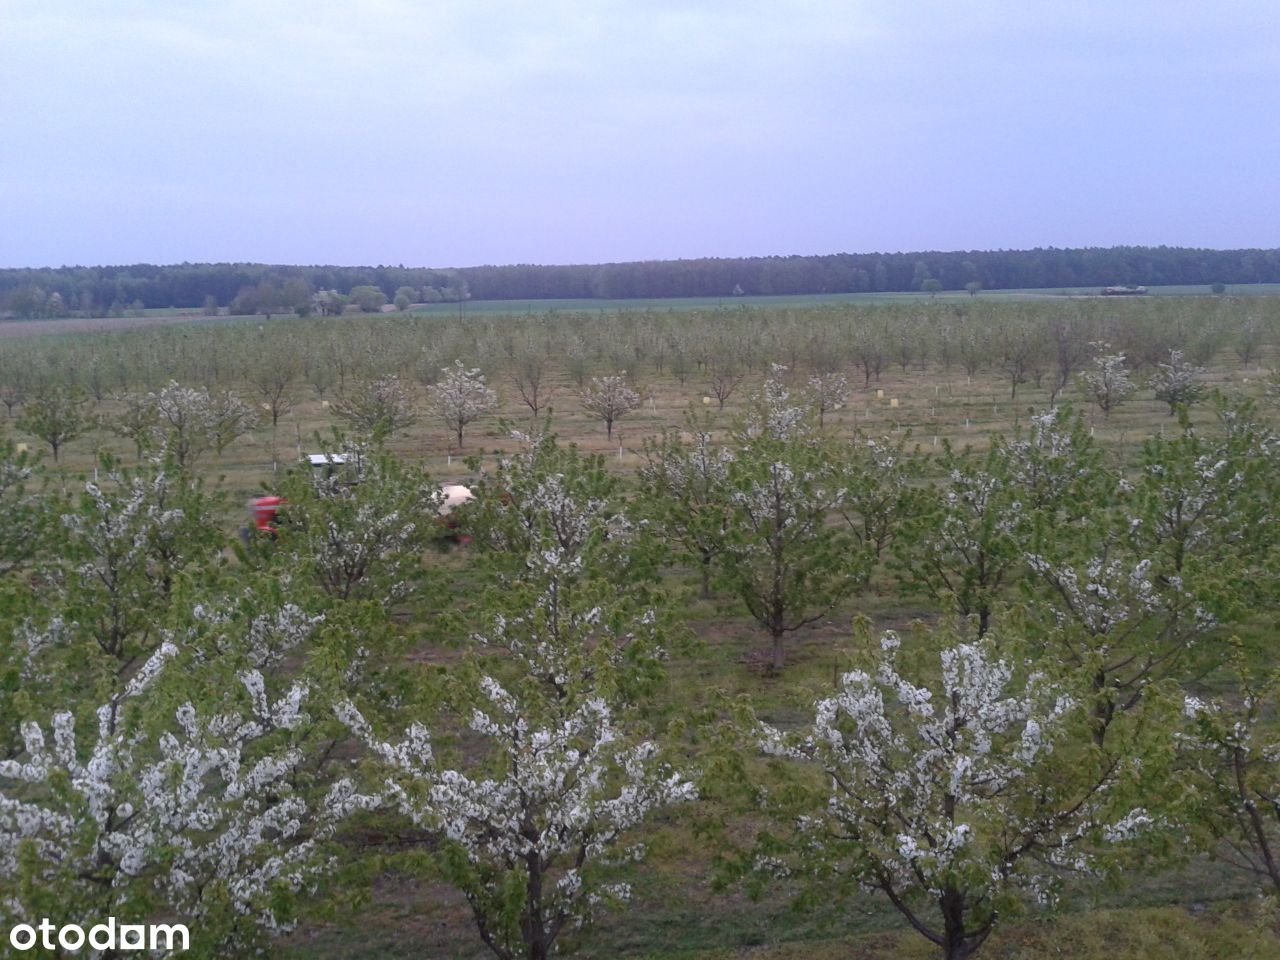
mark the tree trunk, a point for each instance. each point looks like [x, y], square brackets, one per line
[1255, 820]
[957, 942]
[534, 930]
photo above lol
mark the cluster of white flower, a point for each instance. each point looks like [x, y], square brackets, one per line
[688, 484]
[775, 415]
[229, 825]
[1191, 507]
[887, 457]
[926, 783]
[697, 475]
[1109, 383]
[16, 505]
[460, 397]
[542, 516]
[348, 552]
[122, 526]
[117, 561]
[829, 391]
[878, 491]
[1232, 747]
[1108, 593]
[267, 638]
[569, 792]
[376, 408]
[977, 517]
[560, 635]
[782, 499]
[1129, 827]
[1178, 382]
[364, 539]
[188, 421]
[203, 817]
[1048, 461]
[609, 399]
[552, 513]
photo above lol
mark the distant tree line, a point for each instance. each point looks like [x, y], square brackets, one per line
[264, 288]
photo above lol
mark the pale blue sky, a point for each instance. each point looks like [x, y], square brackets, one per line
[494, 131]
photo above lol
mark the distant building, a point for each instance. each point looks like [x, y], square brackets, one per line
[1123, 291]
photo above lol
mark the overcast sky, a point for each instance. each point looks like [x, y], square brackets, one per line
[549, 131]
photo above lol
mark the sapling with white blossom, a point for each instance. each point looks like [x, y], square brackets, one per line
[774, 413]
[117, 553]
[185, 422]
[964, 544]
[610, 398]
[1179, 383]
[878, 475]
[783, 484]
[685, 488]
[460, 397]
[360, 535]
[829, 392]
[19, 505]
[376, 409]
[194, 810]
[1232, 747]
[953, 792]
[528, 833]
[531, 826]
[1108, 383]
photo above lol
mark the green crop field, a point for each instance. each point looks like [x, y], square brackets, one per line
[796, 302]
[168, 315]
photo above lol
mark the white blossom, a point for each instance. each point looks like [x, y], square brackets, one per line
[376, 408]
[1231, 749]
[930, 783]
[610, 398]
[460, 397]
[829, 391]
[567, 792]
[1108, 384]
[775, 415]
[188, 421]
[202, 816]
[1178, 382]
[365, 540]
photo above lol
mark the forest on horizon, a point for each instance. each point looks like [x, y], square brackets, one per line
[29, 293]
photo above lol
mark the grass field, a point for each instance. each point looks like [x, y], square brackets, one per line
[490, 307]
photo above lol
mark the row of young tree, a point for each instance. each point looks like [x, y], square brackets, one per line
[188, 422]
[59, 391]
[1044, 345]
[233, 738]
[97, 291]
